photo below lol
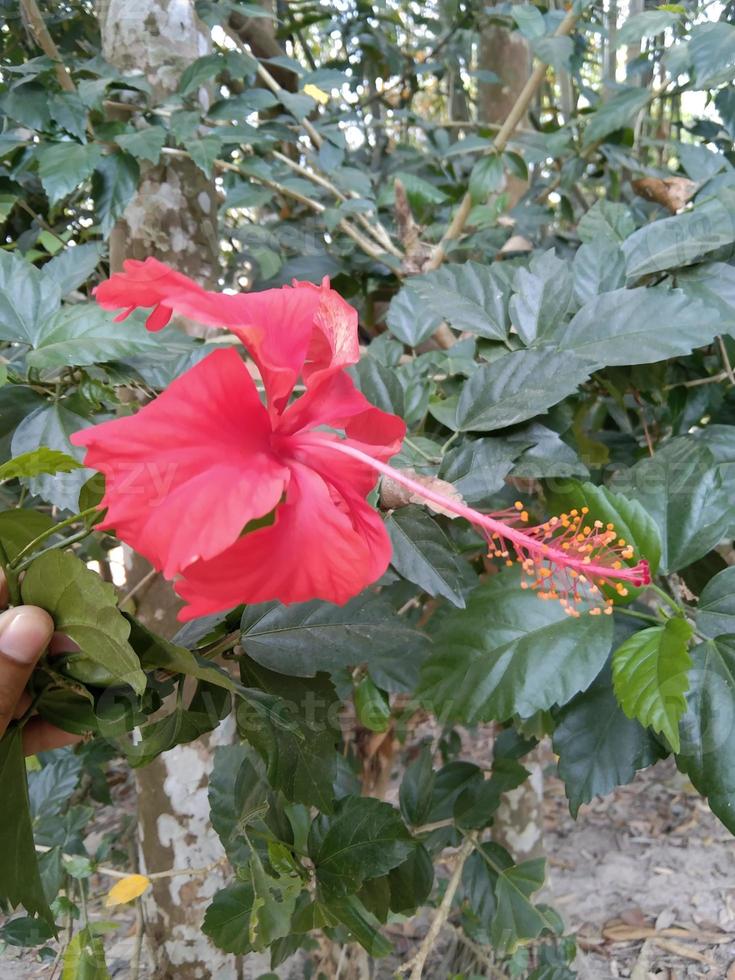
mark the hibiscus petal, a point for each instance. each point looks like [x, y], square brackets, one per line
[323, 546]
[299, 329]
[185, 474]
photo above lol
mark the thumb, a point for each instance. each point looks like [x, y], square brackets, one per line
[25, 632]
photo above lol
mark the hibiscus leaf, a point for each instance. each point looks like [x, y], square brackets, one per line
[716, 610]
[509, 653]
[84, 607]
[301, 760]
[598, 747]
[308, 637]
[155, 651]
[237, 793]
[38, 461]
[72, 267]
[650, 676]
[227, 919]
[19, 527]
[20, 882]
[707, 744]
[423, 554]
[27, 299]
[363, 839]
[362, 924]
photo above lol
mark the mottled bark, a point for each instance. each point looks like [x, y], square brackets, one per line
[519, 823]
[173, 216]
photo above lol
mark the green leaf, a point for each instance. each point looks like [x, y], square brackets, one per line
[72, 267]
[154, 651]
[471, 296]
[301, 760]
[145, 144]
[478, 467]
[707, 742]
[624, 327]
[27, 299]
[543, 296]
[487, 177]
[631, 521]
[423, 554]
[86, 334]
[529, 20]
[227, 919]
[712, 50]
[50, 426]
[20, 882]
[475, 806]
[63, 167]
[685, 494]
[361, 923]
[114, 182]
[84, 958]
[19, 527]
[683, 238]
[416, 789]
[646, 24]
[364, 839]
[509, 653]
[599, 267]
[238, 792]
[716, 610]
[650, 676]
[618, 112]
[371, 706]
[36, 462]
[606, 221]
[311, 636]
[204, 152]
[84, 607]
[411, 882]
[209, 705]
[518, 386]
[598, 747]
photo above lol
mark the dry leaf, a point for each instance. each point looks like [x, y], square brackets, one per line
[516, 243]
[394, 495]
[127, 889]
[672, 192]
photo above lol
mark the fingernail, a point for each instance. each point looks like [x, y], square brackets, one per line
[24, 634]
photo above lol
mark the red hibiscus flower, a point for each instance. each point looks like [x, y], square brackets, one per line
[187, 473]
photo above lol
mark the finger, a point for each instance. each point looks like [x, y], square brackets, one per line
[3, 590]
[24, 634]
[40, 735]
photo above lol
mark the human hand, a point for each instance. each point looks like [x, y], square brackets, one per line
[25, 633]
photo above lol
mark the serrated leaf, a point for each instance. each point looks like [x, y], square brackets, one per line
[598, 747]
[650, 676]
[238, 791]
[63, 167]
[617, 112]
[300, 761]
[19, 527]
[716, 609]
[543, 296]
[50, 426]
[608, 221]
[364, 839]
[204, 152]
[646, 24]
[409, 319]
[360, 922]
[20, 882]
[707, 744]
[712, 50]
[638, 326]
[114, 182]
[599, 267]
[518, 386]
[155, 651]
[487, 177]
[71, 267]
[509, 653]
[423, 554]
[227, 919]
[307, 637]
[27, 299]
[145, 144]
[127, 890]
[84, 607]
[683, 238]
[683, 490]
[36, 462]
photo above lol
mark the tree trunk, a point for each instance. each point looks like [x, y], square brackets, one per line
[508, 55]
[173, 216]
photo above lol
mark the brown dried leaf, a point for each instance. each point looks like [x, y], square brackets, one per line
[516, 243]
[394, 495]
[672, 192]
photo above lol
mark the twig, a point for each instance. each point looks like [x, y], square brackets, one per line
[47, 43]
[726, 361]
[138, 586]
[500, 142]
[153, 876]
[478, 952]
[416, 963]
[713, 379]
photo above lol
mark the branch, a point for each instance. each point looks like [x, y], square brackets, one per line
[47, 43]
[506, 131]
[416, 964]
